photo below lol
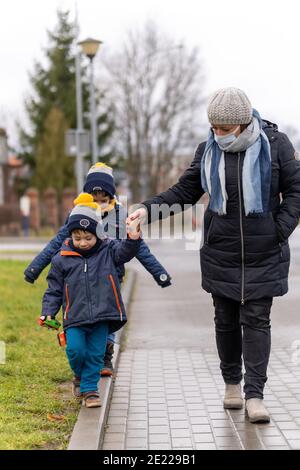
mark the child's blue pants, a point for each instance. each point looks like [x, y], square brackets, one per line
[85, 351]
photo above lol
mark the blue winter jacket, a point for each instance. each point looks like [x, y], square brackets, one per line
[114, 226]
[88, 289]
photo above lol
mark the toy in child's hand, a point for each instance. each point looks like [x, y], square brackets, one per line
[51, 324]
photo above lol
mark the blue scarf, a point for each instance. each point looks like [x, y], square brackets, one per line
[256, 173]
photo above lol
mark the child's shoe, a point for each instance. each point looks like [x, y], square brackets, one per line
[91, 400]
[76, 387]
[108, 369]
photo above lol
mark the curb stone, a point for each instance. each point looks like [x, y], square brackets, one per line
[89, 429]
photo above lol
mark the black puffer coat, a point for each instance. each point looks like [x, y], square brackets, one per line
[245, 258]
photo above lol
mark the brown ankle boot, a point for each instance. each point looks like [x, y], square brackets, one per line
[233, 399]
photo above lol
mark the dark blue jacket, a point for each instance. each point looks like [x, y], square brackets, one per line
[245, 257]
[114, 226]
[88, 289]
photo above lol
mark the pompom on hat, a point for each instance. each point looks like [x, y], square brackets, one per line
[229, 106]
[86, 215]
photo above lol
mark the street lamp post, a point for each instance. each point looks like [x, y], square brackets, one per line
[89, 48]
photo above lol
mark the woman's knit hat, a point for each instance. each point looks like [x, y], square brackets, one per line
[100, 176]
[229, 106]
[86, 215]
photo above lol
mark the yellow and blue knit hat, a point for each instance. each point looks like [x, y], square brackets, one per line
[100, 177]
[86, 215]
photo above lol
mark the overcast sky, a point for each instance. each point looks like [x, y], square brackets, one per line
[253, 45]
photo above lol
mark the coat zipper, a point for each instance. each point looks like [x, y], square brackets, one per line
[85, 269]
[67, 303]
[116, 295]
[242, 232]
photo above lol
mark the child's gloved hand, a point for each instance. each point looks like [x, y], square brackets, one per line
[164, 280]
[49, 322]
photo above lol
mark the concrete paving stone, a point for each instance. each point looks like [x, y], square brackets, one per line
[236, 447]
[183, 448]
[160, 400]
[157, 413]
[138, 403]
[115, 428]
[201, 428]
[177, 416]
[133, 433]
[220, 423]
[184, 424]
[219, 415]
[281, 417]
[119, 406]
[160, 447]
[181, 442]
[137, 425]
[225, 441]
[116, 412]
[206, 446]
[253, 445]
[137, 409]
[136, 442]
[120, 401]
[114, 437]
[295, 413]
[197, 419]
[116, 420]
[220, 432]
[159, 439]
[175, 403]
[287, 425]
[158, 421]
[195, 406]
[157, 406]
[203, 437]
[113, 446]
[294, 444]
[179, 432]
[272, 432]
[176, 409]
[155, 394]
[279, 410]
[198, 412]
[270, 441]
[161, 429]
[137, 417]
[291, 434]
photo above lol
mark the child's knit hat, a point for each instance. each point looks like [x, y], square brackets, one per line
[100, 176]
[86, 215]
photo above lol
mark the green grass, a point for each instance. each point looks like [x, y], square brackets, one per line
[35, 381]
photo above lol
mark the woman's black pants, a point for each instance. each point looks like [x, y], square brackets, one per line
[244, 331]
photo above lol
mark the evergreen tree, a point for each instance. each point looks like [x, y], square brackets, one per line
[54, 97]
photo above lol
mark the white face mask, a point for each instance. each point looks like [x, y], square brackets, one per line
[104, 205]
[225, 140]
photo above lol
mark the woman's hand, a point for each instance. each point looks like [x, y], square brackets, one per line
[140, 215]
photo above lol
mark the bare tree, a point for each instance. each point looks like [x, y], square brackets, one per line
[157, 92]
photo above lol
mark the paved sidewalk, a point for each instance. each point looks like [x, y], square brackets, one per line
[168, 390]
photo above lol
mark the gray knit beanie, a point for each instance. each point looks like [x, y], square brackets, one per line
[229, 106]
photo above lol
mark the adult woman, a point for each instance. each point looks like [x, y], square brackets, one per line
[249, 170]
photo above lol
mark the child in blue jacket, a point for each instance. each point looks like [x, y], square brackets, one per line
[83, 279]
[100, 183]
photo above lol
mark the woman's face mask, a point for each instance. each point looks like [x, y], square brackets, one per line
[227, 139]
